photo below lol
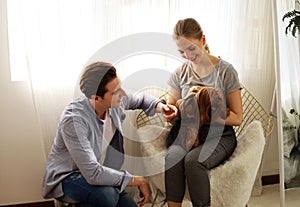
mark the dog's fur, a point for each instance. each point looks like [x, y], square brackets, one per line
[202, 106]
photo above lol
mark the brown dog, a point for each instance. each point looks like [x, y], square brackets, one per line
[200, 108]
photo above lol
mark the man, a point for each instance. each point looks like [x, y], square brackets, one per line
[90, 130]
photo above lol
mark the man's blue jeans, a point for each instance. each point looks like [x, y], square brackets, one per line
[76, 189]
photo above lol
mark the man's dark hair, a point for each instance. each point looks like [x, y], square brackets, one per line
[95, 77]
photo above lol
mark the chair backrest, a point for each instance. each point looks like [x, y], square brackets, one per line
[252, 110]
[142, 119]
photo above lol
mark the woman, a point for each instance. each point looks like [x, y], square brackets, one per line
[203, 69]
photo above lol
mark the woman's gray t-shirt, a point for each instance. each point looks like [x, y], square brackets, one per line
[223, 76]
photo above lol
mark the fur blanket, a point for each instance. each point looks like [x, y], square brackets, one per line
[231, 182]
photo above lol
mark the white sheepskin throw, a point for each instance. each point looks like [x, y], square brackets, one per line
[154, 152]
[231, 183]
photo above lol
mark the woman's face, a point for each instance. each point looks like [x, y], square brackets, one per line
[190, 48]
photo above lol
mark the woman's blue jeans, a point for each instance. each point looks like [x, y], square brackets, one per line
[77, 190]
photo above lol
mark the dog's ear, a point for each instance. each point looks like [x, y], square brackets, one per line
[204, 103]
[188, 108]
[211, 104]
[218, 104]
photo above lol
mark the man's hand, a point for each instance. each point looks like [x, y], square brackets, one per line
[143, 187]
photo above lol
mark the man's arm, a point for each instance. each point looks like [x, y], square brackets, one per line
[149, 104]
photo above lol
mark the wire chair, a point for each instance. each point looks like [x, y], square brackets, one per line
[252, 110]
[158, 120]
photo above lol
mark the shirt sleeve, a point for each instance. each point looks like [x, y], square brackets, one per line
[231, 80]
[141, 101]
[174, 80]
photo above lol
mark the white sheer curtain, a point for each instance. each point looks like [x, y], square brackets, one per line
[289, 54]
[56, 38]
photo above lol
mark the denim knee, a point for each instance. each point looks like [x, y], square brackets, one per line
[106, 196]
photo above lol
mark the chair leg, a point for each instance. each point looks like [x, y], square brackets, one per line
[155, 197]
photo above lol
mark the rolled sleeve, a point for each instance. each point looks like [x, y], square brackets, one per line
[126, 179]
[231, 80]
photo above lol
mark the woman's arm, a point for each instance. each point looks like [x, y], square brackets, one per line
[234, 104]
[174, 95]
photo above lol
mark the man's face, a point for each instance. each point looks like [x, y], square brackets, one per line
[112, 98]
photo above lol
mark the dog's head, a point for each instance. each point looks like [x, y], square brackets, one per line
[203, 104]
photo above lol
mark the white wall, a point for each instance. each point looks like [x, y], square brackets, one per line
[271, 162]
[21, 152]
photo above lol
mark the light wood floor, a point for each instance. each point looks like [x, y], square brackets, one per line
[271, 197]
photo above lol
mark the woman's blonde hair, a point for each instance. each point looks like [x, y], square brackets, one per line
[189, 27]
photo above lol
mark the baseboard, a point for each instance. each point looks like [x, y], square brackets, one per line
[36, 204]
[270, 179]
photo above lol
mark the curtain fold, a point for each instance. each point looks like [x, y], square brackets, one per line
[60, 36]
